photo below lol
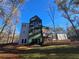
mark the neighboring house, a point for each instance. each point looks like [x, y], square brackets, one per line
[49, 34]
[24, 34]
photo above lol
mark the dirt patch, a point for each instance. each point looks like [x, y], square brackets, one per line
[9, 56]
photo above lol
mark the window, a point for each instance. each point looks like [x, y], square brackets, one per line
[25, 41]
[22, 40]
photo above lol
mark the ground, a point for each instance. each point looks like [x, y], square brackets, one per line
[36, 52]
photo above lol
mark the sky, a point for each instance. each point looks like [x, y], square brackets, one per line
[40, 8]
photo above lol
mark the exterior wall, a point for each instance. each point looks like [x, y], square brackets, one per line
[35, 32]
[48, 34]
[24, 35]
[62, 36]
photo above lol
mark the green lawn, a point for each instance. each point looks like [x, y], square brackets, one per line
[44, 52]
[49, 56]
[52, 52]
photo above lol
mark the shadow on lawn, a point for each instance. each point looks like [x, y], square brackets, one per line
[49, 56]
[71, 50]
[53, 53]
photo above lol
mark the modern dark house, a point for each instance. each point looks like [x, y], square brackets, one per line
[35, 31]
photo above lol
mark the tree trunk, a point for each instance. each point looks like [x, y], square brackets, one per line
[13, 35]
[53, 21]
[8, 38]
[71, 24]
[2, 29]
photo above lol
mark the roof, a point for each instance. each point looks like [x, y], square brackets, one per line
[35, 18]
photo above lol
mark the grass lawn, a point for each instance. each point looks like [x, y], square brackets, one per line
[45, 52]
[49, 56]
[53, 52]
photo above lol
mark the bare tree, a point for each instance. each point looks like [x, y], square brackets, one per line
[52, 16]
[69, 10]
[7, 10]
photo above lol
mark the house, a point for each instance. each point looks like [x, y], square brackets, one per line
[35, 31]
[24, 34]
